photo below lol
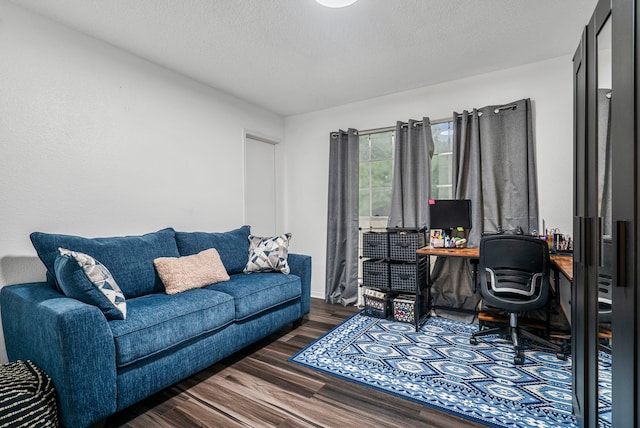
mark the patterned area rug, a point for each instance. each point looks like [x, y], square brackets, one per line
[438, 367]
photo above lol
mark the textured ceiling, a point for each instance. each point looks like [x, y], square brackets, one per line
[295, 56]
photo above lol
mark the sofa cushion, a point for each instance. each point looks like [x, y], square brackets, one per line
[129, 258]
[184, 273]
[83, 278]
[233, 246]
[158, 322]
[268, 254]
[260, 291]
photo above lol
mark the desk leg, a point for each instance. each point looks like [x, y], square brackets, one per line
[474, 273]
[423, 309]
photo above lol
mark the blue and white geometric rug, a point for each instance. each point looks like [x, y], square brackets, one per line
[438, 367]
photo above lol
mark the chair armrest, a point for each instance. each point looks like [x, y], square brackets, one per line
[300, 265]
[70, 340]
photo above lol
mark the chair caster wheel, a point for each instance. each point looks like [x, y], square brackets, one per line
[561, 356]
[518, 360]
[473, 341]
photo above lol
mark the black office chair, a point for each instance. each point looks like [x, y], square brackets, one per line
[514, 277]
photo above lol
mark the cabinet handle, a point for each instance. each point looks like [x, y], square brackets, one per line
[578, 253]
[621, 253]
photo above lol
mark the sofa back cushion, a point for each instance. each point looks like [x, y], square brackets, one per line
[233, 246]
[129, 258]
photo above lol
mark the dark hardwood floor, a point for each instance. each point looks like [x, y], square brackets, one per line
[258, 387]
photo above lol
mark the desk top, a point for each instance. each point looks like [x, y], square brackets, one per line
[562, 263]
[472, 253]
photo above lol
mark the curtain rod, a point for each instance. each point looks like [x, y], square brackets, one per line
[393, 128]
[433, 122]
[495, 110]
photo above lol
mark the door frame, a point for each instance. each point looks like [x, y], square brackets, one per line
[278, 185]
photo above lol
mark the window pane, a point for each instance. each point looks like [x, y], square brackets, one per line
[365, 200]
[442, 137]
[441, 169]
[363, 149]
[364, 175]
[381, 146]
[381, 173]
[381, 202]
[444, 192]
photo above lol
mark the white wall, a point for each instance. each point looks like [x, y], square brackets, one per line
[97, 142]
[548, 84]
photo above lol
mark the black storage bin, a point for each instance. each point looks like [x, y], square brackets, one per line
[403, 245]
[378, 305]
[375, 245]
[375, 273]
[407, 276]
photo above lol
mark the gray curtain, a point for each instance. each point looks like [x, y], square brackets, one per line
[509, 183]
[452, 277]
[494, 166]
[342, 219]
[411, 182]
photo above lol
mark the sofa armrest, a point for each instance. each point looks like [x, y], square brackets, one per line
[300, 265]
[70, 340]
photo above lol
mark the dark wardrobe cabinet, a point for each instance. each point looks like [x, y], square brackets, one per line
[605, 300]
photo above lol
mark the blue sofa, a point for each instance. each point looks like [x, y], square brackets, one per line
[100, 366]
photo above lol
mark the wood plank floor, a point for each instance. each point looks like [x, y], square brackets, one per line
[258, 387]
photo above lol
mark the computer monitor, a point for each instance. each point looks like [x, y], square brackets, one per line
[449, 213]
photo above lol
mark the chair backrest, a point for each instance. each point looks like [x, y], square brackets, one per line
[514, 272]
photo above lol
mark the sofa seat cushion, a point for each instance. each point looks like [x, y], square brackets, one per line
[129, 258]
[257, 292]
[158, 322]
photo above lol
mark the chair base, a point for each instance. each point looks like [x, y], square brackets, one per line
[515, 332]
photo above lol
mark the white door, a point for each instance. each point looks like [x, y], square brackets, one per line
[260, 186]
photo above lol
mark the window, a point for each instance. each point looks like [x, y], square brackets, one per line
[441, 163]
[376, 166]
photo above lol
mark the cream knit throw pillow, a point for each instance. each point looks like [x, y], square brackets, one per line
[180, 274]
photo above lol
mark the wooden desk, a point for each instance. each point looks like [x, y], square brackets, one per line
[559, 263]
[563, 264]
[473, 254]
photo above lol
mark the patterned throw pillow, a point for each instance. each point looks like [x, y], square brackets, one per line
[184, 273]
[82, 277]
[268, 254]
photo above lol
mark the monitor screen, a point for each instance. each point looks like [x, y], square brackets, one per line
[449, 213]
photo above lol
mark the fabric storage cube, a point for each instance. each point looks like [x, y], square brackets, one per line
[404, 308]
[403, 245]
[375, 273]
[406, 276]
[377, 303]
[375, 245]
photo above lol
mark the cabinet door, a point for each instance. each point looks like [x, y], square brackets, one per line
[605, 210]
[624, 136]
[584, 341]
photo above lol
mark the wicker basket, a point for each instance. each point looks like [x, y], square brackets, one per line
[375, 245]
[407, 276]
[375, 273]
[403, 245]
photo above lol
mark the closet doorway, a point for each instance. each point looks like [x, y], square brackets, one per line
[260, 188]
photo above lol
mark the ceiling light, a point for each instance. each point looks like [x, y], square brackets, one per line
[336, 3]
